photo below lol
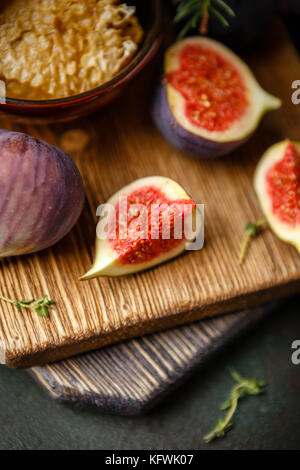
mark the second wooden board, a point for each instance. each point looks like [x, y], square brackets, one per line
[130, 378]
[124, 145]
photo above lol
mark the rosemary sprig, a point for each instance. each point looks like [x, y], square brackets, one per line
[41, 306]
[242, 387]
[196, 12]
[251, 231]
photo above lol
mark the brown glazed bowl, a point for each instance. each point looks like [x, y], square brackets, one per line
[149, 13]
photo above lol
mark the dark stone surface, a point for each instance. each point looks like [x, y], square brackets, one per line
[31, 420]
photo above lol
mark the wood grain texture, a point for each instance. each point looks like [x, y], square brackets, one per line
[131, 377]
[122, 145]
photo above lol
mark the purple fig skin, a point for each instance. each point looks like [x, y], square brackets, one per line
[41, 194]
[182, 139]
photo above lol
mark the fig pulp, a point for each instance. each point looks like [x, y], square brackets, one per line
[213, 89]
[145, 227]
[41, 194]
[277, 185]
[209, 102]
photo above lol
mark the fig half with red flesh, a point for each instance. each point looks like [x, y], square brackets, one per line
[277, 185]
[209, 101]
[144, 225]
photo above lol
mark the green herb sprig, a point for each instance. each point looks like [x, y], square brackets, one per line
[197, 12]
[40, 306]
[242, 388]
[251, 231]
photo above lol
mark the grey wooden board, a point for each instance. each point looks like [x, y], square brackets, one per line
[131, 377]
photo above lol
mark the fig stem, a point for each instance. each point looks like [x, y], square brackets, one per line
[251, 230]
[242, 388]
[40, 306]
[7, 300]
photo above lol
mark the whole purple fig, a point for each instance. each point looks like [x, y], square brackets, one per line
[41, 194]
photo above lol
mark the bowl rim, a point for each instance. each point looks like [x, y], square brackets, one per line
[132, 67]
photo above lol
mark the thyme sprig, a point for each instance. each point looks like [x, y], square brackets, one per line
[197, 12]
[242, 388]
[40, 306]
[251, 231]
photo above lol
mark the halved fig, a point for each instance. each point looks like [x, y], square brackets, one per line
[209, 102]
[142, 225]
[277, 185]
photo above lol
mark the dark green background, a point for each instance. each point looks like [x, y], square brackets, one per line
[31, 420]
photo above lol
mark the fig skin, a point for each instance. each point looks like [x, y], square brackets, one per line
[41, 194]
[168, 107]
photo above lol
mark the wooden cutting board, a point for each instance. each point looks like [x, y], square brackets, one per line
[123, 144]
[131, 377]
